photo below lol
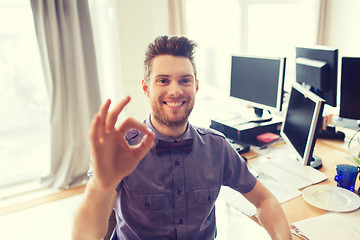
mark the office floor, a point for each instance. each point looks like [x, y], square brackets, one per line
[47, 221]
[53, 221]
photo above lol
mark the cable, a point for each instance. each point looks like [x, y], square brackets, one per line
[353, 137]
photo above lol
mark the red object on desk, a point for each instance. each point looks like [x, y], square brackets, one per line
[267, 137]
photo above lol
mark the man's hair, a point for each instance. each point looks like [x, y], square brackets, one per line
[169, 45]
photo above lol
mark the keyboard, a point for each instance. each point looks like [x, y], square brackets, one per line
[239, 146]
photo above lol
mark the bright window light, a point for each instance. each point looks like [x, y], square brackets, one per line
[267, 28]
[24, 105]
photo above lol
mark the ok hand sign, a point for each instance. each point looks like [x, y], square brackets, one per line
[113, 157]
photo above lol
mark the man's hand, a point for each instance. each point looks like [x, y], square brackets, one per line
[113, 157]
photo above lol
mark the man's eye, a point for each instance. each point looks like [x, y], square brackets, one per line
[163, 81]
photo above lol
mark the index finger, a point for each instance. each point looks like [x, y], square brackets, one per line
[113, 115]
[103, 111]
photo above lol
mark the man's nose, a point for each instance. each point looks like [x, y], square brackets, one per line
[175, 90]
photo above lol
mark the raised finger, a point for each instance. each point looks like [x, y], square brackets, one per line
[103, 111]
[113, 115]
[94, 133]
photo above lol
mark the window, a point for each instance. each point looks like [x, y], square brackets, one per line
[268, 28]
[215, 26]
[24, 106]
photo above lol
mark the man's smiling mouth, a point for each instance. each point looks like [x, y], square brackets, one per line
[174, 104]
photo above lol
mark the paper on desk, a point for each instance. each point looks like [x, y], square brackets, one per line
[332, 226]
[281, 191]
[237, 200]
[286, 170]
[283, 176]
[232, 224]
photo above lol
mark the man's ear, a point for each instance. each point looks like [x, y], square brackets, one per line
[196, 85]
[145, 87]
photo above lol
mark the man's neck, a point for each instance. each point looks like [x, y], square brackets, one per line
[173, 132]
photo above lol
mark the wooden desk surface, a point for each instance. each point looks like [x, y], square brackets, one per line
[332, 153]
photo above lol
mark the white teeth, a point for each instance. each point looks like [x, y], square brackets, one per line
[174, 104]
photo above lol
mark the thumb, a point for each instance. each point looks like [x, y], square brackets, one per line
[147, 142]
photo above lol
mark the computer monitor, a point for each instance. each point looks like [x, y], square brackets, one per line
[317, 69]
[301, 123]
[350, 88]
[258, 82]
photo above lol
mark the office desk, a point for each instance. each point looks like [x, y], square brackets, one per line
[332, 152]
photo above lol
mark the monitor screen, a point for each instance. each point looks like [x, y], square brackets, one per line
[301, 122]
[258, 81]
[350, 88]
[317, 68]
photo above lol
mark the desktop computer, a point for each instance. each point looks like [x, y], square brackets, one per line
[246, 131]
[256, 82]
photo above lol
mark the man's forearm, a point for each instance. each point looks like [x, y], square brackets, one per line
[273, 219]
[91, 218]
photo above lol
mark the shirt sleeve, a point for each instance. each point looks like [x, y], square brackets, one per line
[90, 171]
[236, 174]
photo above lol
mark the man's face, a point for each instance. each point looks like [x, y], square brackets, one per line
[171, 89]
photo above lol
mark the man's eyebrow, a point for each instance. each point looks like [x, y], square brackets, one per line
[167, 76]
[162, 76]
[188, 75]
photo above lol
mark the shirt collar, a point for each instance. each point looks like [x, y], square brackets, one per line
[187, 134]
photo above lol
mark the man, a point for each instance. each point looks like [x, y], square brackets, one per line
[160, 191]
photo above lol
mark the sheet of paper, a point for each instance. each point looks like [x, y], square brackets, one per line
[305, 172]
[284, 168]
[332, 226]
[281, 191]
[281, 174]
[237, 200]
[232, 224]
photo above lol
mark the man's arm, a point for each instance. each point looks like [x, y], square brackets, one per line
[91, 218]
[270, 214]
[113, 159]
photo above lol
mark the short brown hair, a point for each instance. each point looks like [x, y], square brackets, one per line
[169, 45]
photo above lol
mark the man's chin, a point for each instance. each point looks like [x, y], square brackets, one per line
[174, 122]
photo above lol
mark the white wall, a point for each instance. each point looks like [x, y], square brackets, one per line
[342, 29]
[140, 22]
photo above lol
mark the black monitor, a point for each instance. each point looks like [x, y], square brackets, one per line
[317, 69]
[301, 123]
[258, 82]
[350, 88]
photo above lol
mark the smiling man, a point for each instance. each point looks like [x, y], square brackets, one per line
[162, 177]
[171, 88]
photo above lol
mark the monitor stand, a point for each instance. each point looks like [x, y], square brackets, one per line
[330, 133]
[316, 162]
[260, 116]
